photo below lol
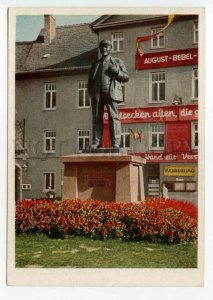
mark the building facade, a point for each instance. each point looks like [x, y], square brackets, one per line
[159, 114]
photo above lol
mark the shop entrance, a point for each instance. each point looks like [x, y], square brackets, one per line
[152, 180]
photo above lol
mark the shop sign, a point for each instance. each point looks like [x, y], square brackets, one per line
[174, 58]
[169, 157]
[157, 114]
[180, 171]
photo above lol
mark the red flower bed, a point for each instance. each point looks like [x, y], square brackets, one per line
[154, 220]
[189, 208]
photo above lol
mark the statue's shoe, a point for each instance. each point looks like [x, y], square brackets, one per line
[95, 146]
[115, 146]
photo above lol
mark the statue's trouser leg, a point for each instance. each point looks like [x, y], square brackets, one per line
[114, 122]
[97, 113]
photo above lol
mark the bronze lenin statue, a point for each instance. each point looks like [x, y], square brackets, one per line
[104, 86]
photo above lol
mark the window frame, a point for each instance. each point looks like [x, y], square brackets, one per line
[51, 141]
[84, 138]
[118, 40]
[85, 93]
[124, 133]
[158, 82]
[45, 189]
[51, 96]
[157, 37]
[193, 133]
[195, 33]
[194, 79]
[151, 133]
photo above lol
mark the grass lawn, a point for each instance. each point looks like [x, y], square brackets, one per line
[38, 251]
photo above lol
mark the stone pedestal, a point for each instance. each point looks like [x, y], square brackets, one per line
[103, 176]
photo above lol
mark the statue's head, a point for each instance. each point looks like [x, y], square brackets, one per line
[105, 42]
[105, 47]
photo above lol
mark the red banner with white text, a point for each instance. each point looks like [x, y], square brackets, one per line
[166, 59]
[157, 114]
[169, 157]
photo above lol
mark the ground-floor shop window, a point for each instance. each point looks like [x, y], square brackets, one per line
[152, 180]
[153, 186]
[181, 186]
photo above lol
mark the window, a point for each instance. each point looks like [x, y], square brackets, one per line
[195, 84]
[83, 95]
[83, 139]
[153, 186]
[20, 134]
[157, 41]
[50, 96]
[196, 35]
[49, 180]
[158, 87]
[117, 42]
[49, 141]
[181, 186]
[125, 138]
[194, 135]
[157, 136]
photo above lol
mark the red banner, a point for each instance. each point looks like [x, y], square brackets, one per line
[169, 157]
[157, 114]
[178, 137]
[166, 59]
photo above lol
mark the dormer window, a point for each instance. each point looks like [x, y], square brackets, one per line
[46, 55]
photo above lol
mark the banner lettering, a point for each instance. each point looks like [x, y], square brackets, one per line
[157, 114]
[167, 59]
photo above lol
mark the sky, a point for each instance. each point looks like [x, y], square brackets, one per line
[28, 27]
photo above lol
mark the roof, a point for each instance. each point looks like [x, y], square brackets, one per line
[74, 47]
[22, 51]
[110, 21]
[118, 20]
